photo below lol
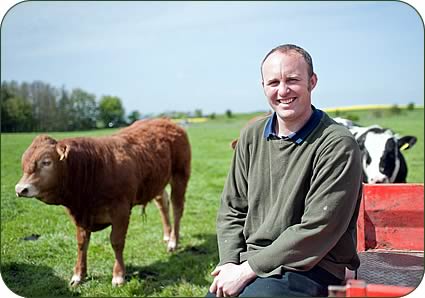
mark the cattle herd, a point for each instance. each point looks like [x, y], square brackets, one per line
[100, 179]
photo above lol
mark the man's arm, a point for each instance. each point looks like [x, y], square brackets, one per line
[233, 208]
[230, 277]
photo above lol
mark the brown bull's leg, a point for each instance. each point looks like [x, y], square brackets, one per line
[162, 203]
[178, 189]
[120, 221]
[80, 269]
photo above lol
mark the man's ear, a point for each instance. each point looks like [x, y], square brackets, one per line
[262, 85]
[62, 150]
[313, 81]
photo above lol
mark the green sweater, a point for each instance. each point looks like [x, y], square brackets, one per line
[289, 206]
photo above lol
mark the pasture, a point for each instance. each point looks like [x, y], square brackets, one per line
[38, 245]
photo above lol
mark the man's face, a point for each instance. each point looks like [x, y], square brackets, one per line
[287, 85]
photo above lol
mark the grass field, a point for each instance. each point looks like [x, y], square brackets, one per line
[43, 267]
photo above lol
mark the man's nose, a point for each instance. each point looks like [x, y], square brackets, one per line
[283, 89]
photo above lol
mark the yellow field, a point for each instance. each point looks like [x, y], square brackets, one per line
[192, 120]
[363, 107]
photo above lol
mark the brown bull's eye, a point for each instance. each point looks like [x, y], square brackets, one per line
[46, 163]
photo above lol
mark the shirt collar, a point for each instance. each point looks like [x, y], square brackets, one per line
[299, 136]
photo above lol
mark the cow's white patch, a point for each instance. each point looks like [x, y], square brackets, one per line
[375, 144]
[357, 131]
[396, 169]
[344, 122]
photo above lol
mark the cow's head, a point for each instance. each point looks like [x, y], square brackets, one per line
[41, 166]
[382, 159]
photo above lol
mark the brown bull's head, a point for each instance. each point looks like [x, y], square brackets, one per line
[41, 166]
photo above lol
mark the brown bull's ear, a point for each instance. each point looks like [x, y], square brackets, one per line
[62, 150]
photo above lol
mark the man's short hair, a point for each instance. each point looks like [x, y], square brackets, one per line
[285, 48]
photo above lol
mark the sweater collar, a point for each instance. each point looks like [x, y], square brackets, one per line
[299, 136]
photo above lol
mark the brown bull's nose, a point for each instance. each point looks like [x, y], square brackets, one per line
[21, 190]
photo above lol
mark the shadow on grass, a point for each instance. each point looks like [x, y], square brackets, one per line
[191, 265]
[33, 280]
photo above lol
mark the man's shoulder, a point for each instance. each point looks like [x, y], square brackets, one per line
[332, 128]
[330, 134]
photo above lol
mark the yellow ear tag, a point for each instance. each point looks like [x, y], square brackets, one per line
[404, 147]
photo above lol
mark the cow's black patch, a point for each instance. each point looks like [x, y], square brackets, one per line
[388, 159]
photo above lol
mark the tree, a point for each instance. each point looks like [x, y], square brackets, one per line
[66, 115]
[16, 115]
[38, 106]
[133, 116]
[395, 110]
[15, 111]
[198, 113]
[42, 98]
[84, 109]
[111, 111]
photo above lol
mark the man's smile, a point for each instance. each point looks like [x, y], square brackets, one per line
[286, 100]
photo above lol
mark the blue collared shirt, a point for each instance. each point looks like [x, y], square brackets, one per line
[299, 136]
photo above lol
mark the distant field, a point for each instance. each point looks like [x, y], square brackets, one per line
[44, 267]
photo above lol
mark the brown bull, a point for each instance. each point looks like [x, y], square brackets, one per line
[100, 179]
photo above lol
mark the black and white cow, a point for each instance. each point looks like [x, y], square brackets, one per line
[382, 159]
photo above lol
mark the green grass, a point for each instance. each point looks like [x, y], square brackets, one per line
[44, 267]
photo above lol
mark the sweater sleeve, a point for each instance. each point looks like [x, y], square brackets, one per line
[329, 207]
[233, 208]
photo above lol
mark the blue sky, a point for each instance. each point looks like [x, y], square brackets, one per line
[165, 56]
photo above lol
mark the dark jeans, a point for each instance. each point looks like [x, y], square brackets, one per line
[313, 283]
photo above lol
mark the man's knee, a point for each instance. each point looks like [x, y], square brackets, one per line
[266, 287]
[288, 285]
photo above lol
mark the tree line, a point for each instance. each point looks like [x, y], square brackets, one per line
[38, 106]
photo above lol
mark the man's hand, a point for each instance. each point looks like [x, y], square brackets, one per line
[230, 279]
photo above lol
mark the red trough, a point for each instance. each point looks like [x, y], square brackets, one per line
[390, 242]
[391, 217]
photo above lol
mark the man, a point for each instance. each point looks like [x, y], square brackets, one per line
[287, 219]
